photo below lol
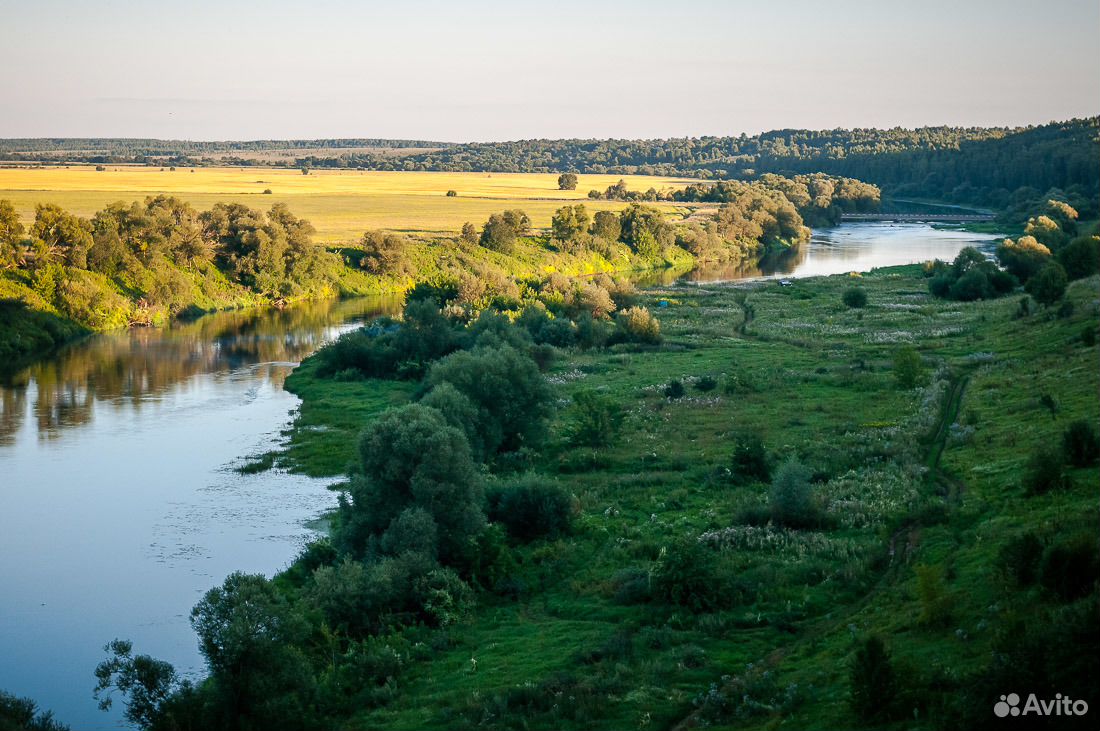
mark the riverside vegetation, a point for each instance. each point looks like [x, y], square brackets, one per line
[145, 263]
[763, 504]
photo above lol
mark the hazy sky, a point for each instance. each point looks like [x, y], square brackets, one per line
[490, 70]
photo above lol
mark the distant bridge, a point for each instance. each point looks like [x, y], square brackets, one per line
[920, 217]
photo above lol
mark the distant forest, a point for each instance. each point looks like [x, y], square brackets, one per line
[1003, 168]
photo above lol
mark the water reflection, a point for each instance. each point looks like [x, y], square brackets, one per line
[853, 247]
[119, 507]
[135, 367]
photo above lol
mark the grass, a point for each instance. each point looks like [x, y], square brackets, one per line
[813, 378]
[341, 204]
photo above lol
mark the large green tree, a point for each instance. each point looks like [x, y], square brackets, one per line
[412, 458]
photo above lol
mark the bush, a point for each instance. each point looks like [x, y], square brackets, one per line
[706, 384]
[873, 681]
[1049, 285]
[674, 389]
[750, 460]
[908, 370]
[686, 574]
[1045, 471]
[531, 507]
[567, 181]
[855, 297]
[631, 586]
[384, 253]
[502, 230]
[597, 419]
[452, 193]
[1019, 558]
[1081, 257]
[1070, 568]
[970, 277]
[791, 499]
[1088, 335]
[637, 325]
[935, 603]
[1080, 443]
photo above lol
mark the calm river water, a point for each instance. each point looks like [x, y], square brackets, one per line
[119, 505]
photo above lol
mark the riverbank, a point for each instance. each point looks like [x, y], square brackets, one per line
[920, 484]
[33, 326]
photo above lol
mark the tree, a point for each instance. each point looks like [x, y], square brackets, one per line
[22, 714]
[567, 181]
[1046, 471]
[502, 229]
[908, 370]
[970, 277]
[384, 253]
[469, 233]
[874, 683]
[1049, 284]
[1023, 257]
[511, 396]
[686, 574]
[645, 229]
[616, 192]
[249, 634]
[790, 499]
[606, 225]
[412, 458]
[459, 412]
[1047, 231]
[569, 223]
[1081, 257]
[11, 234]
[145, 682]
[61, 236]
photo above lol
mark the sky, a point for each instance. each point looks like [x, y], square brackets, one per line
[493, 70]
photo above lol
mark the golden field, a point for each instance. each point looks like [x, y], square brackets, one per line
[340, 203]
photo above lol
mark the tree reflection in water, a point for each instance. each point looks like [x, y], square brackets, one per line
[132, 368]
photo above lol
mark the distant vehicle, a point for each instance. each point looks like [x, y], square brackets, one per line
[785, 282]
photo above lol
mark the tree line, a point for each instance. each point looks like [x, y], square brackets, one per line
[132, 263]
[1003, 168]
[1012, 169]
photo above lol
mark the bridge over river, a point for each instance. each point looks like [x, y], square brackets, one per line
[919, 217]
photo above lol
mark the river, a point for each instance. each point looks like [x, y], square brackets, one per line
[119, 504]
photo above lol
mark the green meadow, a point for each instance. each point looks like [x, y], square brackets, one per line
[919, 488]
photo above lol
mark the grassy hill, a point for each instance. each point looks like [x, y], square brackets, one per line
[921, 512]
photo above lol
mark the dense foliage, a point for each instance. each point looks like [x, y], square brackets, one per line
[143, 262]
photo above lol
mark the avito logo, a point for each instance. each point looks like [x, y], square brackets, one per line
[1009, 705]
